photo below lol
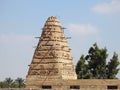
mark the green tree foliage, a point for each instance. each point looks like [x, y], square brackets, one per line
[94, 64]
[112, 67]
[82, 69]
[10, 83]
[2, 84]
[20, 82]
[97, 61]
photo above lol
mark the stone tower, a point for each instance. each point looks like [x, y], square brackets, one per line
[52, 58]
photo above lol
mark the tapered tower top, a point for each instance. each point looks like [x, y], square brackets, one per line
[52, 21]
[52, 18]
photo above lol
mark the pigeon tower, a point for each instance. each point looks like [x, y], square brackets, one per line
[52, 59]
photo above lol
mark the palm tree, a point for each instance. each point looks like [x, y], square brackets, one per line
[8, 82]
[2, 85]
[20, 82]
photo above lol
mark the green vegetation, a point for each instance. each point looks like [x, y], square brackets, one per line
[10, 83]
[95, 66]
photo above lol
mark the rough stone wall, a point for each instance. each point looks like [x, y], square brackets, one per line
[90, 84]
[94, 84]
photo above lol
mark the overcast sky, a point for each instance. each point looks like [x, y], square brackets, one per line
[87, 22]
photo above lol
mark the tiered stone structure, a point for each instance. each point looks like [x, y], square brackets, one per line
[52, 58]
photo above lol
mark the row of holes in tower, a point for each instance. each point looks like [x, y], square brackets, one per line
[46, 26]
[50, 46]
[52, 32]
[52, 54]
[51, 57]
[53, 38]
[53, 27]
[51, 72]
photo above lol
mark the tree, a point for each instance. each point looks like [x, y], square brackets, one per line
[2, 84]
[9, 83]
[20, 82]
[14, 85]
[94, 65]
[82, 69]
[97, 61]
[112, 67]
